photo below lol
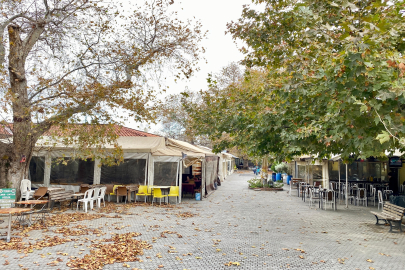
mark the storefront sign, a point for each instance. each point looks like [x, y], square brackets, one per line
[7, 197]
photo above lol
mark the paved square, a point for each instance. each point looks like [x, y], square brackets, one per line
[234, 228]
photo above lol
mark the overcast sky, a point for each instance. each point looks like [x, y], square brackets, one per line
[220, 48]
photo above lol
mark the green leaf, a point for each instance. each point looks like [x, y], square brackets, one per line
[383, 137]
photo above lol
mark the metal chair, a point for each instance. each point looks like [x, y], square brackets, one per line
[122, 192]
[361, 196]
[313, 197]
[328, 198]
[380, 200]
[40, 192]
[109, 191]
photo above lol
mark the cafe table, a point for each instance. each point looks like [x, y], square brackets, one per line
[32, 203]
[130, 189]
[75, 198]
[11, 211]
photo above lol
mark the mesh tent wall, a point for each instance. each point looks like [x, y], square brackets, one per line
[37, 170]
[130, 171]
[211, 173]
[72, 171]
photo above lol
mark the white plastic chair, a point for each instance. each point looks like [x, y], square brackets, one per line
[85, 200]
[94, 197]
[26, 192]
[380, 200]
[101, 197]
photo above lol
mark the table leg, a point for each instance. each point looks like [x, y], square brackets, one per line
[9, 229]
[31, 214]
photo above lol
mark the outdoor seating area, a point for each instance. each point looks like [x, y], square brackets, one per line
[36, 204]
[357, 194]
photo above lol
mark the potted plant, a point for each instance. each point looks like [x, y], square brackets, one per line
[280, 168]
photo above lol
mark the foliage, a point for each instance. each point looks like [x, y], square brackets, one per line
[278, 184]
[177, 123]
[257, 183]
[281, 168]
[323, 78]
[85, 59]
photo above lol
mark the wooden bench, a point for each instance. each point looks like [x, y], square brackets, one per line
[391, 213]
[60, 196]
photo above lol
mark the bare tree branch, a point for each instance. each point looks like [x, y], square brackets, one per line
[66, 114]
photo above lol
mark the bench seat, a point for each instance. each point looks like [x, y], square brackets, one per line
[391, 213]
[60, 196]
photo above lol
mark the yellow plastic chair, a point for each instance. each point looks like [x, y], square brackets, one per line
[174, 192]
[143, 191]
[157, 193]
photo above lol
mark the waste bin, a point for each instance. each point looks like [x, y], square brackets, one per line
[289, 179]
[198, 196]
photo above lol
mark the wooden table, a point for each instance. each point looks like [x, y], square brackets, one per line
[130, 189]
[11, 211]
[32, 203]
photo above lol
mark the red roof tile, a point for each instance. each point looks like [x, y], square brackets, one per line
[119, 130]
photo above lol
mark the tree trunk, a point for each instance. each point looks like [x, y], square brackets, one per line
[3, 175]
[17, 172]
[23, 139]
[246, 164]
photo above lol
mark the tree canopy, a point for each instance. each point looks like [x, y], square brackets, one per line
[324, 78]
[66, 59]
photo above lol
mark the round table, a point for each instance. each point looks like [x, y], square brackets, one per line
[11, 211]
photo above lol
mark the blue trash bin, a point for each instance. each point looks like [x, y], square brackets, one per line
[289, 179]
[278, 177]
[198, 196]
[273, 177]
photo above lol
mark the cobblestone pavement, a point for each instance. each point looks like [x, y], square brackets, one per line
[256, 229]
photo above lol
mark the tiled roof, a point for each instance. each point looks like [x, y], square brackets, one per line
[119, 130]
[6, 129]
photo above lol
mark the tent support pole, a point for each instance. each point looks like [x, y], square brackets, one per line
[347, 181]
[47, 169]
[339, 183]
